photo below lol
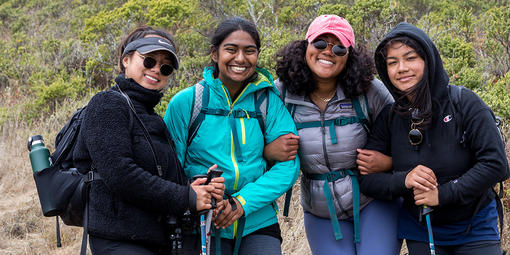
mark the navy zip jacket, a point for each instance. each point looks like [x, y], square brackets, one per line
[132, 201]
[465, 171]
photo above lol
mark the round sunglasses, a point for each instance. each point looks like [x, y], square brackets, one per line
[415, 135]
[338, 50]
[150, 62]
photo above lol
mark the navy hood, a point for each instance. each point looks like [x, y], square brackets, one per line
[437, 76]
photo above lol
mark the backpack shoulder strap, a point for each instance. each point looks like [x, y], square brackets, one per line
[455, 95]
[291, 108]
[361, 107]
[261, 106]
[200, 101]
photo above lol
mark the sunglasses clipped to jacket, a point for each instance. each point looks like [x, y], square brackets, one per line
[415, 135]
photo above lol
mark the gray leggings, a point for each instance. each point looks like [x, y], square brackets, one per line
[474, 248]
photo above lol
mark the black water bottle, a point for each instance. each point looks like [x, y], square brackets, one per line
[39, 154]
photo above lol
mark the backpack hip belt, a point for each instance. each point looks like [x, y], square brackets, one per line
[332, 177]
[362, 118]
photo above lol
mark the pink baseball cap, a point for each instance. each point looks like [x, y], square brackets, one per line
[331, 24]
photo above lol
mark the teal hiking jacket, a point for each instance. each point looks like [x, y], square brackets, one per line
[248, 181]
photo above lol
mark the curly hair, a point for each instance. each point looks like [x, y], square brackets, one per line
[294, 73]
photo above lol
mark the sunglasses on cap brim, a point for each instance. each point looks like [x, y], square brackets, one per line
[149, 62]
[338, 50]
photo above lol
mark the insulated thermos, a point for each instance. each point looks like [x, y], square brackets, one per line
[39, 154]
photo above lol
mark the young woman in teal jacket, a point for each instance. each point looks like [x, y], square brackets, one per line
[231, 136]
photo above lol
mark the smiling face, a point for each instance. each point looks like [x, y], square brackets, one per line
[325, 65]
[149, 78]
[405, 67]
[236, 57]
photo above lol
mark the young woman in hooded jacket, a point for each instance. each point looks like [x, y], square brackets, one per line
[446, 157]
[130, 205]
[230, 135]
[329, 87]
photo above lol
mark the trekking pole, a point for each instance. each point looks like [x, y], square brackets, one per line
[426, 211]
[208, 222]
[203, 246]
[205, 224]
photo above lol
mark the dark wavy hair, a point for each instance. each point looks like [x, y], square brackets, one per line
[420, 93]
[296, 76]
[138, 33]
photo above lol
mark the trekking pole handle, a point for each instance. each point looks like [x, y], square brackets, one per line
[213, 173]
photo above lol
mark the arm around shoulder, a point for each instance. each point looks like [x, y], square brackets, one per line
[282, 175]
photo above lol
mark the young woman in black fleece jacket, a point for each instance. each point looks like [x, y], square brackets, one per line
[433, 163]
[129, 207]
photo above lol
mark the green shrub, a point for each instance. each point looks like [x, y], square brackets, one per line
[471, 78]
[497, 97]
[496, 22]
[64, 86]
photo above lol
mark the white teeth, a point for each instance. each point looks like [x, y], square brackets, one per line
[151, 78]
[325, 62]
[238, 68]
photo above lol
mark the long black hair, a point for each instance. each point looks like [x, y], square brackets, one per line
[138, 33]
[228, 27]
[294, 73]
[420, 93]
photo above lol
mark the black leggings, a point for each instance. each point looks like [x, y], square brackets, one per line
[101, 246]
[474, 248]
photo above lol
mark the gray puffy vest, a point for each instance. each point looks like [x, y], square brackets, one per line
[327, 148]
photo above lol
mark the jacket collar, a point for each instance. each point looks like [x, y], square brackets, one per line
[149, 98]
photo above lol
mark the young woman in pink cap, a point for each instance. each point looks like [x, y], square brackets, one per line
[329, 88]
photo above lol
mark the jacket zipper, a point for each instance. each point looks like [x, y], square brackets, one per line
[326, 159]
[324, 150]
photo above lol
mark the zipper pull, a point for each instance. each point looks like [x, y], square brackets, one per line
[160, 171]
[323, 129]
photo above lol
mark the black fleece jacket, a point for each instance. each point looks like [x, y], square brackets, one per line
[132, 200]
[465, 172]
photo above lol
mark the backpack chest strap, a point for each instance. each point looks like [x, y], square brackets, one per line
[232, 116]
[238, 113]
[200, 109]
[332, 177]
[340, 121]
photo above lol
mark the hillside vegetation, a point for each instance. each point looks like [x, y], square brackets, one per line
[55, 54]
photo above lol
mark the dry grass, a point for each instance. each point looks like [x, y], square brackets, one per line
[23, 229]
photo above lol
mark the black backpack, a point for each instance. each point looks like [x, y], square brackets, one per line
[455, 94]
[62, 189]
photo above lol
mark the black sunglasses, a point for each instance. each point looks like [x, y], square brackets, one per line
[338, 50]
[415, 135]
[150, 62]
